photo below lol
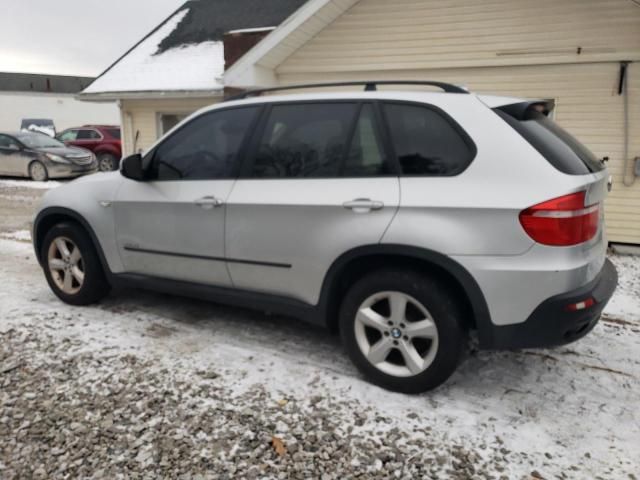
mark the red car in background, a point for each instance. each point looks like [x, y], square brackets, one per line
[102, 140]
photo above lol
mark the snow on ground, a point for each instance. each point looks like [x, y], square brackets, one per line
[19, 235]
[189, 67]
[169, 386]
[29, 184]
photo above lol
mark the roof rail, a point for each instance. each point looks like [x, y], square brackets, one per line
[369, 86]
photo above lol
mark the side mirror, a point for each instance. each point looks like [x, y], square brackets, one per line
[132, 167]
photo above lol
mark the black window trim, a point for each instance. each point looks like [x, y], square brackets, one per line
[473, 149]
[240, 156]
[249, 160]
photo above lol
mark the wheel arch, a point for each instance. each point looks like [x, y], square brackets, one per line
[51, 216]
[355, 263]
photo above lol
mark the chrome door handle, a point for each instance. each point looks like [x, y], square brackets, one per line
[363, 205]
[209, 203]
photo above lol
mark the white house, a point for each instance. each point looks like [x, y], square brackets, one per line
[583, 54]
[52, 97]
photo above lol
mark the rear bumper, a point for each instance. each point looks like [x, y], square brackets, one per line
[552, 324]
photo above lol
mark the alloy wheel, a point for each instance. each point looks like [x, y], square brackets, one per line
[396, 334]
[105, 164]
[66, 265]
[38, 173]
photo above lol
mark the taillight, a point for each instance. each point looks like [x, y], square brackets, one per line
[563, 221]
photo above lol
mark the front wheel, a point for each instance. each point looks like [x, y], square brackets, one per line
[402, 330]
[38, 172]
[107, 162]
[72, 266]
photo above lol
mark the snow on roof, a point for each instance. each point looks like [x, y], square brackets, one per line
[253, 30]
[187, 67]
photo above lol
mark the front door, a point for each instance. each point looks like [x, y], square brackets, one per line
[173, 225]
[318, 184]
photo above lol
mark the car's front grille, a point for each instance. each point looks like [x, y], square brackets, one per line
[84, 160]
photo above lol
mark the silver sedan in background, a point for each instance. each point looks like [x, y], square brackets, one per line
[40, 157]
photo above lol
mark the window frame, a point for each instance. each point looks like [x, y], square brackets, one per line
[147, 160]
[473, 149]
[258, 133]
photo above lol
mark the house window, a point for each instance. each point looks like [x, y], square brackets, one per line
[166, 121]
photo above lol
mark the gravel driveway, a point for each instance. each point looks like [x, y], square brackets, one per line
[149, 386]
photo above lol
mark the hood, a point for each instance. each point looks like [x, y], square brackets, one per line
[67, 152]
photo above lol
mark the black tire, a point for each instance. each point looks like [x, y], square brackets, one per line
[107, 162]
[95, 285]
[33, 168]
[441, 305]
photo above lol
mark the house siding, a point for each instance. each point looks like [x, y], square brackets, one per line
[377, 35]
[141, 116]
[457, 42]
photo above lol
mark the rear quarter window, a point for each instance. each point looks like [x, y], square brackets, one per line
[555, 144]
[426, 141]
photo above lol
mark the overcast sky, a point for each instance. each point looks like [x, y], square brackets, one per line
[74, 37]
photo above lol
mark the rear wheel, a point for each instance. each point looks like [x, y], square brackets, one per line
[72, 266]
[402, 330]
[107, 162]
[38, 172]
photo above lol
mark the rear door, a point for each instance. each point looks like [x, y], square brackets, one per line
[173, 225]
[317, 183]
[88, 138]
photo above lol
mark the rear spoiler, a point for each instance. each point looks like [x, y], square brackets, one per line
[523, 110]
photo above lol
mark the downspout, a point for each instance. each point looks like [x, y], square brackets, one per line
[624, 91]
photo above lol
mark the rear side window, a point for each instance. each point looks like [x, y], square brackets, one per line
[114, 132]
[554, 143]
[366, 157]
[88, 135]
[426, 143]
[304, 141]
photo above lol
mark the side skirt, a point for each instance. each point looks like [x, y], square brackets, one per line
[229, 296]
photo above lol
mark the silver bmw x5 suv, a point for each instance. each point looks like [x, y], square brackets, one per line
[402, 219]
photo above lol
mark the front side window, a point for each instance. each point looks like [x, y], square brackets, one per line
[425, 142]
[205, 148]
[69, 136]
[304, 141]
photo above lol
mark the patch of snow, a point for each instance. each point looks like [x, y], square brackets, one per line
[625, 303]
[188, 67]
[570, 411]
[29, 184]
[19, 235]
[252, 30]
[47, 130]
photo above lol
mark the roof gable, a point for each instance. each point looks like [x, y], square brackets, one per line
[209, 20]
[185, 54]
